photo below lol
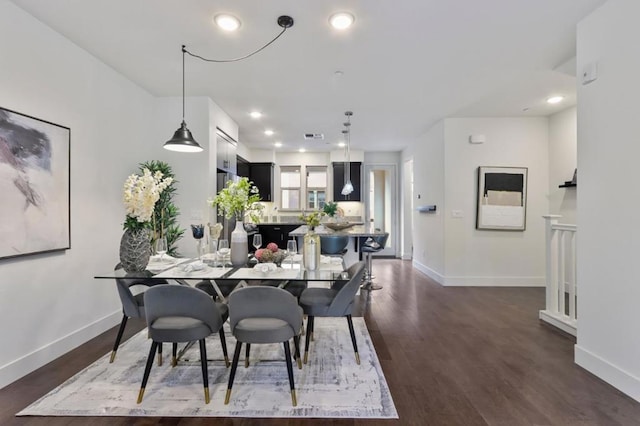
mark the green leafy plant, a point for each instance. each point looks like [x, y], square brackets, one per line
[165, 213]
[312, 219]
[239, 199]
[330, 209]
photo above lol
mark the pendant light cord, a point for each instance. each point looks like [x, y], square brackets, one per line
[240, 58]
[183, 52]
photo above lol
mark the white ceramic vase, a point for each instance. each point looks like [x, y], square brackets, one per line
[239, 245]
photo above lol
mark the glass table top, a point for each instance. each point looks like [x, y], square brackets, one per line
[331, 269]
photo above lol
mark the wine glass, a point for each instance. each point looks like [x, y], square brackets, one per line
[257, 241]
[223, 250]
[292, 248]
[161, 247]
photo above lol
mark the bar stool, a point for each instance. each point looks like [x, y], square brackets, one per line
[369, 247]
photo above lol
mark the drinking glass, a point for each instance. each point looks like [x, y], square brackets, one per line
[223, 251]
[257, 241]
[292, 248]
[161, 247]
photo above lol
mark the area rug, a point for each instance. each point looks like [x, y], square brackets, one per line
[330, 385]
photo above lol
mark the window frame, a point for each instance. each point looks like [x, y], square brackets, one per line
[289, 169]
[309, 189]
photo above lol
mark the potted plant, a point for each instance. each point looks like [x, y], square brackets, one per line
[165, 213]
[239, 199]
[140, 195]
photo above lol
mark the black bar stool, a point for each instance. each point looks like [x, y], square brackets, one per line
[369, 247]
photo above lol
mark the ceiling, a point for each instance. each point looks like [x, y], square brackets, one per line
[405, 64]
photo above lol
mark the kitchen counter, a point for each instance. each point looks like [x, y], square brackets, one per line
[353, 231]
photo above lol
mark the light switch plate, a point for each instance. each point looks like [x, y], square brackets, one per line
[589, 73]
[457, 214]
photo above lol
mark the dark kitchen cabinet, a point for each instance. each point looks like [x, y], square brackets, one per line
[262, 176]
[278, 234]
[356, 180]
[244, 167]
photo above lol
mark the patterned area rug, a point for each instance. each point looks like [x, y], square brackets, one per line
[330, 385]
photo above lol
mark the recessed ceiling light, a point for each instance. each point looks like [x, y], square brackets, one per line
[341, 20]
[341, 144]
[255, 114]
[555, 99]
[302, 150]
[278, 144]
[268, 132]
[227, 22]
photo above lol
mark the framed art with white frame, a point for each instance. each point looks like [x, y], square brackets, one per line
[502, 198]
[34, 183]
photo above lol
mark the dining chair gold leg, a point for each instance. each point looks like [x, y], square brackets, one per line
[174, 361]
[294, 400]
[113, 357]
[206, 395]
[227, 397]
[140, 395]
[226, 361]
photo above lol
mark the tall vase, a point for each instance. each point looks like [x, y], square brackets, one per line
[135, 250]
[311, 250]
[239, 245]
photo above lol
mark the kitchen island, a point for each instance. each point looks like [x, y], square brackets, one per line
[357, 232]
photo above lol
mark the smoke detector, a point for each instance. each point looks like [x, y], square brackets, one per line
[313, 136]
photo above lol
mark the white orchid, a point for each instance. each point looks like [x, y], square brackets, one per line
[140, 196]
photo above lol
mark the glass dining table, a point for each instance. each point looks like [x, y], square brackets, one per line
[185, 270]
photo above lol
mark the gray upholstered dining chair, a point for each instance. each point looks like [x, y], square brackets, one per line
[329, 302]
[178, 314]
[132, 306]
[334, 245]
[264, 314]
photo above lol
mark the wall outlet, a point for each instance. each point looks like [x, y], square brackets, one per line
[457, 214]
[196, 214]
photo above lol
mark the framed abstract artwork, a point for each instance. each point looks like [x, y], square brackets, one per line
[502, 198]
[34, 183]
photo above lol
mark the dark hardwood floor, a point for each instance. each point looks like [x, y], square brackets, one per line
[451, 356]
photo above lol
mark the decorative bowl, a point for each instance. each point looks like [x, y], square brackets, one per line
[338, 226]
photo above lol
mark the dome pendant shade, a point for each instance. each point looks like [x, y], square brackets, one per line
[347, 188]
[182, 141]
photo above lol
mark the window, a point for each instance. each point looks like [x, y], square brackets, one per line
[290, 187]
[316, 187]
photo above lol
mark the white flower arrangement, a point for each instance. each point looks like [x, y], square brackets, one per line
[140, 196]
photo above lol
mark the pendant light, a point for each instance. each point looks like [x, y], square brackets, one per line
[348, 186]
[182, 140]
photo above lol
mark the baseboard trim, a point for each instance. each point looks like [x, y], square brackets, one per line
[428, 272]
[570, 327]
[478, 281]
[494, 281]
[616, 377]
[24, 365]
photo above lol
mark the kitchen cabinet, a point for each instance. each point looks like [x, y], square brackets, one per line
[226, 153]
[276, 233]
[338, 181]
[262, 176]
[243, 167]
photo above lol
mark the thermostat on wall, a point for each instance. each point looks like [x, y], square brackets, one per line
[477, 138]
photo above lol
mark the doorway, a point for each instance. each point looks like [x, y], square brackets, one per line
[381, 208]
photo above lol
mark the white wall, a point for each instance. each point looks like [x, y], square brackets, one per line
[609, 240]
[487, 257]
[563, 153]
[51, 303]
[428, 177]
